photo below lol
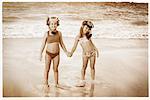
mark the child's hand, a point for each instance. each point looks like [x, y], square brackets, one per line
[97, 53]
[69, 54]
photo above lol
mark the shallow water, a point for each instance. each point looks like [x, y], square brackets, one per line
[111, 20]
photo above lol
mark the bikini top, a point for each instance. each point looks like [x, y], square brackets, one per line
[83, 40]
[53, 38]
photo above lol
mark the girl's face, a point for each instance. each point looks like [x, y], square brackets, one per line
[53, 25]
[86, 29]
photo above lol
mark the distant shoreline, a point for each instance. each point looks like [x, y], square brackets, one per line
[21, 37]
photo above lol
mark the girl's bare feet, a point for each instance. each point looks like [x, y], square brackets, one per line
[57, 85]
[46, 88]
[81, 83]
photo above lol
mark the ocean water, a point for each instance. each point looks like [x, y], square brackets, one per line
[111, 20]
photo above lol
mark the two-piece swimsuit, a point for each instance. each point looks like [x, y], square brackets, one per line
[90, 53]
[52, 39]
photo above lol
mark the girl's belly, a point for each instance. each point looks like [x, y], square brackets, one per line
[53, 47]
[87, 47]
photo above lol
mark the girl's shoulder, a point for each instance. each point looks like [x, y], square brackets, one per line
[59, 33]
[77, 37]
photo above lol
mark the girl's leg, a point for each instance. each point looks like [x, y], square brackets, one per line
[55, 68]
[92, 66]
[47, 68]
[83, 71]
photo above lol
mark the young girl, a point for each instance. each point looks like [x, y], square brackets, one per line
[51, 41]
[89, 50]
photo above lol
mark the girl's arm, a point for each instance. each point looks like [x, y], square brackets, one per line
[95, 48]
[62, 44]
[43, 45]
[75, 44]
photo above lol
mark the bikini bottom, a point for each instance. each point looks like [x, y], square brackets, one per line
[90, 54]
[52, 55]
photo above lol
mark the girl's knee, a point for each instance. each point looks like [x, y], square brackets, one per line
[47, 70]
[92, 68]
[84, 68]
[55, 69]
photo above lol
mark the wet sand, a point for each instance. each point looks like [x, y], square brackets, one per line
[121, 69]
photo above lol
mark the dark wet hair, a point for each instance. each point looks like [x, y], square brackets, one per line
[48, 20]
[88, 35]
[90, 25]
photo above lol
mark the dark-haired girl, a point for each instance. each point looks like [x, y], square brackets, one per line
[51, 41]
[89, 50]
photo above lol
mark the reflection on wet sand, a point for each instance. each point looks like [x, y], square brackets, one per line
[91, 90]
[86, 91]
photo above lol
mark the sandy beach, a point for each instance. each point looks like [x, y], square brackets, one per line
[121, 69]
[120, 33]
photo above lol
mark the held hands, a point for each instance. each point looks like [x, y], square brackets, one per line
[69, 54]
[97, 54]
